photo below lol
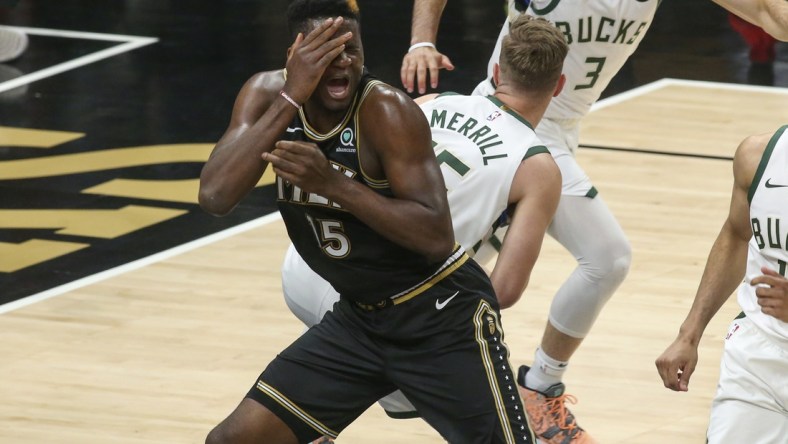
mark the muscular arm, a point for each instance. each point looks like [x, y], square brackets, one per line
[260, 115]
[771, 15]
[235, 165]
[416, 63]
[418, 216]
[536, 190]
[426, 18]
[724, 271]
[394, 145]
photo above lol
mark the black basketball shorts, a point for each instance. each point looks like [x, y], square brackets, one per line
[444, 348]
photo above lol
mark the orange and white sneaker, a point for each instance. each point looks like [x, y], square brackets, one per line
[552, 422]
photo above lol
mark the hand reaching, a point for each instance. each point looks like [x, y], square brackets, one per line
[418, 62]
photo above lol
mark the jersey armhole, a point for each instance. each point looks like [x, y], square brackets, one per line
[534, 150]
[767, 154]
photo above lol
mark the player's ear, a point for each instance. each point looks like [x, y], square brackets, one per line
[560, 86]
[497, 74]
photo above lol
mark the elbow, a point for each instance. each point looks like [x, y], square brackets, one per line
[439, 248]
[439, 241]
[508, 290]
[507, 299]
[212, 204]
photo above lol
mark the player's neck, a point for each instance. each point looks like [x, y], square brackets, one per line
[321, 119]
[529, 107]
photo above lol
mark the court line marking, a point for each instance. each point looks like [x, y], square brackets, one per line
[129, 43]
[655, 152]
[139, 263]
[663, 83]
[264, 220]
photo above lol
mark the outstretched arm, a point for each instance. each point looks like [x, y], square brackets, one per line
[423, 57]
[724, 272]
[771, 15]
[535, 191]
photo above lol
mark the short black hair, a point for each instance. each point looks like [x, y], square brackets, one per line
[301, 11]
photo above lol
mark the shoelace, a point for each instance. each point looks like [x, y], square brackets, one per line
[557, 408]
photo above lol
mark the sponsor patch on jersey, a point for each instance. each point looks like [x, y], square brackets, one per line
[346, 139]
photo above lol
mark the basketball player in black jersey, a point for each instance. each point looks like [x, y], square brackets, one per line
[364, 203]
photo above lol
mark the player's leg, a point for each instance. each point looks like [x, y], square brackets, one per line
[249, 423]
[309, 297]
[315, 387]
[584, 225]
[586, 228]
[752, 397]
[455, 367]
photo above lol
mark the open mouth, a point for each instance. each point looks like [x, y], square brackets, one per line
[338, 88]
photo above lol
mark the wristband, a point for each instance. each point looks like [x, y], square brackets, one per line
[289, 99]
[421, 45]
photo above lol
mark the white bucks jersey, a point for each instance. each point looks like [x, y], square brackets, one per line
[602, 34]
[769, 220]
[479, 144]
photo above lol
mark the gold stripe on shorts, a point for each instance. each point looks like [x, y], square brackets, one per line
[294, 409]
[486, 318]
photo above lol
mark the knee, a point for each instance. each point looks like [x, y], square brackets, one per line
[620, 261]
[611, 264]
[219, 435]
[213, 437]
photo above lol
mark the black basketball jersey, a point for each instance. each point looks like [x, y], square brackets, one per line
[360, 264]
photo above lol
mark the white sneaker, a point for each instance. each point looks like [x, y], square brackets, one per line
[12, 44]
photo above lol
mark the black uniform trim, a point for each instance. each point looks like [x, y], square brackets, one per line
[315, 135]
[489, 334]
[371, 182]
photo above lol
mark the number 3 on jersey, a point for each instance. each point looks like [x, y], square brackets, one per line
[330, 236]
[593, 75]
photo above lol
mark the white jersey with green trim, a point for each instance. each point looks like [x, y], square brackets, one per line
[479, 144]
[602, 34]
[768, 246]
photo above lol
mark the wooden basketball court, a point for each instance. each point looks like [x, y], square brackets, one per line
[160, 350]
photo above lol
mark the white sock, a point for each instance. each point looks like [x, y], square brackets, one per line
[544, 372]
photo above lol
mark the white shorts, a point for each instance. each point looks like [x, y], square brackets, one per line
[562, 139]
[308, 295]
[751, 404]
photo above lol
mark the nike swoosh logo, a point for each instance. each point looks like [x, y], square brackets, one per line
[439, 305]
[292, 130]
[771, 185]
